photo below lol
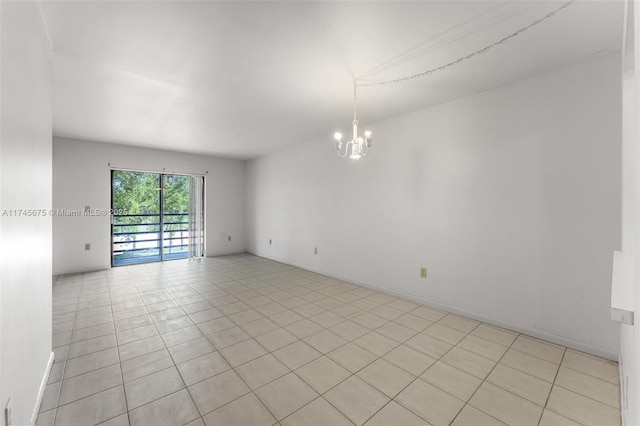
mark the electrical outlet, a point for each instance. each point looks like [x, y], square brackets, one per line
[7, 414]
[87, 246]
[315, 250]
[423, 272]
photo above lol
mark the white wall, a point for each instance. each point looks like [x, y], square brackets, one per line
[82, 177]
[510, 198]
[630, 334]
[25, 183]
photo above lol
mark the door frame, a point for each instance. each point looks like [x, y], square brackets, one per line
[161, 173]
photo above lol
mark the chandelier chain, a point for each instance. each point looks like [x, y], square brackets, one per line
[355, 100]
[463, 58]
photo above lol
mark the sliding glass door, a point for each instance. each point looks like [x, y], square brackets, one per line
[175, 216]
[154, 215]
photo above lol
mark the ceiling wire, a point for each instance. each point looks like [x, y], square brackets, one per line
[446, 37]
[359, 83]
[44, 24]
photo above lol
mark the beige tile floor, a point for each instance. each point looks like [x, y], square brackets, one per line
[241, 340]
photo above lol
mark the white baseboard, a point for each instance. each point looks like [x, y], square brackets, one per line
[43, 386]
[559, 340]
[623, 392]
[82, 270]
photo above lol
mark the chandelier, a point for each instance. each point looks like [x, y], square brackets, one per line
[359, 146]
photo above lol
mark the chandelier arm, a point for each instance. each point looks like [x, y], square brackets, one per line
[346, 150]
[366, 147]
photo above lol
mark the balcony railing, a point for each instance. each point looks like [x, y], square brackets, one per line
[137, 238]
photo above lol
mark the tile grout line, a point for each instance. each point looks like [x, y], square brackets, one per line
[300, 339]
[290, 371]
[119, 364]
[166, 348]
[403, 389]
[555, 377]
[231, 368]
[176, 293]
[64, 368]
[419, 377]
[485, 380]
[124, 389]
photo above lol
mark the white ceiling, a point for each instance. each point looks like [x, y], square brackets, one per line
[241, 79]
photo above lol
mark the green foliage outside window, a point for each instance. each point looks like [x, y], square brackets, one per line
[137, 194]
